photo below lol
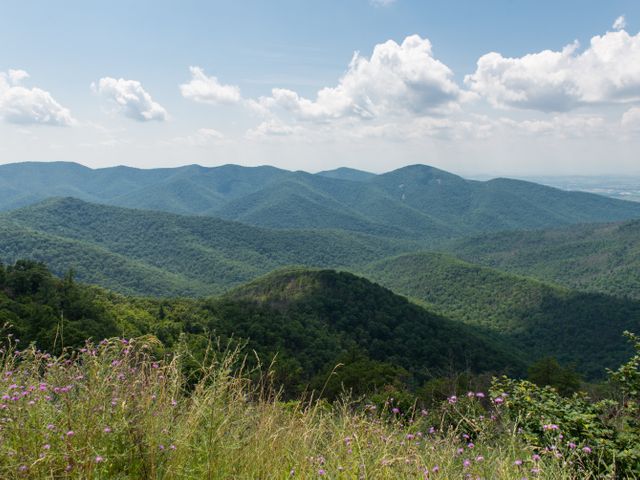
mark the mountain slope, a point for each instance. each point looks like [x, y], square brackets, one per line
[203, 255]
[597, 257]
[418, 202]
[317, 316]
[537, 318]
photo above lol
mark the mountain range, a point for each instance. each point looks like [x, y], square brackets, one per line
[519, 269]
[416, 202]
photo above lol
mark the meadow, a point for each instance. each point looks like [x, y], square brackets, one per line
[114, 410]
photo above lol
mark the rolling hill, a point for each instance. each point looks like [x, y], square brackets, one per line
[157, 253]
[311, 320]
[417, 202]
[598, 257]
[537, 318]
[321, 317]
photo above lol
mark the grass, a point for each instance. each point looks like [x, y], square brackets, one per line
[111, 411]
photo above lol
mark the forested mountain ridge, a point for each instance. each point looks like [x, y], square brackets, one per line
[593, 257]
[149, 252]
[538, 318]
[312, 320]
[417, 201]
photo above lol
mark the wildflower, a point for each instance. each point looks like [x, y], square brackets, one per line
[70, 433]
[466, 463]
[424, 413]
[46, 446]
[572, 445]
[410, 436]
[479, 395]
[498, 400]
[50, 426]
[586, 449]
[460, 451]
[535, 457]
[517, 463]
[154, 365]
[99, 459]
[107, 430]
[471, 445]
[479, 458]
[452, 399]
[322, 472]
[435, 469]
[471, 394]
[23, 468]
[395, 410]
[172, 447]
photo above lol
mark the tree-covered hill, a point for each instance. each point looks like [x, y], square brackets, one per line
[148, 252]
[317, 318]
[598, 257]
[310, 319]
[418, 201]
[537, 318]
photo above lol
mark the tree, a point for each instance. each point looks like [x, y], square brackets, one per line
[547, 371]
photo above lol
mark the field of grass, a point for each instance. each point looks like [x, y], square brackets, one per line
[113, 411]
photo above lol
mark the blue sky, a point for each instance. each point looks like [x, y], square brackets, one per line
[106, 83]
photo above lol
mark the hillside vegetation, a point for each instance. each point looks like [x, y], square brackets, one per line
[598, 257]
[310, 320]
[538, 318]
[155, 253]
[417, 202]
[114, 410]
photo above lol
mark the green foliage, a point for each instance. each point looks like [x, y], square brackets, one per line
[113, 411]
[154, 253]
[547, 371]
[540, 319]
[601, 258]
[37, 307]
[609, 428]
[417, 201]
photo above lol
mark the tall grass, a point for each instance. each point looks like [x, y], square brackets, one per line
[111, 411]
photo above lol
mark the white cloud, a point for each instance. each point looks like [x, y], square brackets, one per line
[402, 79]
[130, 98]
[209, 90]
[203, 137]
[560, 126]
[620, 23]
[22, 105]
[272, 129]
[608, 71]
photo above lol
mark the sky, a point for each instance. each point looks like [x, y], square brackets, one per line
[513, 88]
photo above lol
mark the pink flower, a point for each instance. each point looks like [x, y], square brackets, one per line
[99, 459]
[586, 449]
[70, 433]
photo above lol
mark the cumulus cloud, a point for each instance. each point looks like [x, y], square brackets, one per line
[398, 79]
[209, 90]
[620, 23]
[608, 71]
[23, 105]
[130, 99]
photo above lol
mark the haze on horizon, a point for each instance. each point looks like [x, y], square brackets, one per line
[494, 89]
